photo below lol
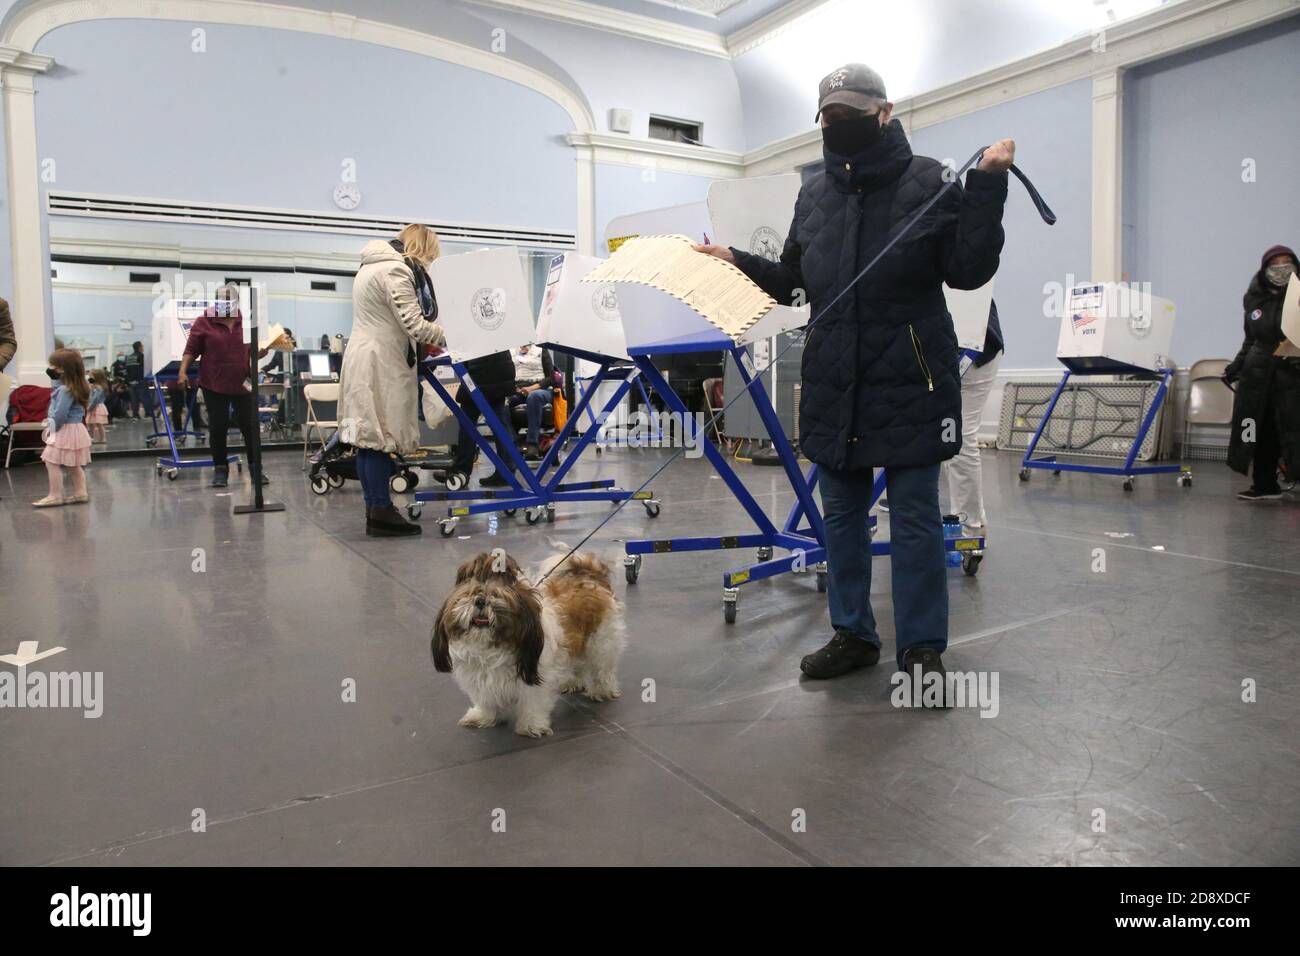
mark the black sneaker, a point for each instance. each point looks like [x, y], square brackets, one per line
[494, 480]
[844, 653]
[220, 479]
[532, 453]
[1250, 494]
[928, 661]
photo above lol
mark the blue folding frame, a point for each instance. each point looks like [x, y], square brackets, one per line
[160, 406]
[175, 462]
[544, 486]
[1128, 470]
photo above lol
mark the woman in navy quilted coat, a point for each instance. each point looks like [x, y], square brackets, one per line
[881, 387]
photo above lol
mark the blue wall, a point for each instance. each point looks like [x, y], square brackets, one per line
[1053, 134]
[266, 117]
[1193, 228]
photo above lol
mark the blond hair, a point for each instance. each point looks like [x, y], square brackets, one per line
[420, 243]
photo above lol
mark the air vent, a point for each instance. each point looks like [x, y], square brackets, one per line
[54, 273]
[324, 286]
[676, 131]
[252, 217]
[148, 278]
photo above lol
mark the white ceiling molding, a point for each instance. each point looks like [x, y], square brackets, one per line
[772, 24]
[612, 20]
[30, 23]
[14, 60]
[1158, 33]
[613, 149]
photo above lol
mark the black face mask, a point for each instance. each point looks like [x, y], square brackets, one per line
[52, 373]
[849, 137]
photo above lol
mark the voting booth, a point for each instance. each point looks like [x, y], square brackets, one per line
[1110, 327]
[1107, 329]
[484, 308]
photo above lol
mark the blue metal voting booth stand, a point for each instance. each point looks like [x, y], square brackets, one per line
[802, 534]
[160, 407]
[540, 489]
[1129, 470]
[174, 463]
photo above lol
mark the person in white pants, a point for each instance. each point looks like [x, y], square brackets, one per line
[962, 475]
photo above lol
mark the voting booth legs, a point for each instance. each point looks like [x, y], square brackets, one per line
[537, 490]
[163, 405]
[174, 463]
[802, 534]
[1129, 470]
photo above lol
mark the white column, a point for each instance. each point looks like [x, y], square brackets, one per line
[587, 240]
[32, 326]
[1107, 176]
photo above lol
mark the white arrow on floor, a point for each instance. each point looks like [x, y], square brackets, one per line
[27, 654]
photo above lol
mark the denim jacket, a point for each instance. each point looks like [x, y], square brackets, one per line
[64, 409]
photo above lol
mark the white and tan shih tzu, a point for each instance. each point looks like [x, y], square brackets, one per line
[514, 646]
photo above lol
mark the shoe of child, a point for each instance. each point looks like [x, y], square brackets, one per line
[49, 501]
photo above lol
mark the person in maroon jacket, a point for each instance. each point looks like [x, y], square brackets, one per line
[217, 337]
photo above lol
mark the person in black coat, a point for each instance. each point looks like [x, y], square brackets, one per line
[881, 387]
[1266, 411]
[495, 377]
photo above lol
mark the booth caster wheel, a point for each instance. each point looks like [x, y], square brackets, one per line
[157, 470]
[632, 567]
[413, 512]
[764, 553]
[1185, 481]
[150, 442]
[320, 485]
[550, 514]
[730, 601]
[335, 481]
[821, 582]
[172, 473]
[447, 526]
[239, 467]
[970, 563]
[651, 508]
[533, 515]
[1056, 473]
[1128, 484]
[1024, 474]
[456, 481]
[510, 512]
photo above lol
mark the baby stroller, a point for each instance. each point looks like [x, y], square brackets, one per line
[339, 464]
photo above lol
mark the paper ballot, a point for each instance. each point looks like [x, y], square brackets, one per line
[1290, 320]
[717, 290]
[276, 339]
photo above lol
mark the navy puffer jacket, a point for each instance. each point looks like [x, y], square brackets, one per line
[881, 385]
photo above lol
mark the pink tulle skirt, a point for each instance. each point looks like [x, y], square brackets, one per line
[70, 448]
[97, 415]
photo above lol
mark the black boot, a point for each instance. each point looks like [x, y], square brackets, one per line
[494, 480]
[220, 477]
[926, 661]
[387, 522]
[843, 654]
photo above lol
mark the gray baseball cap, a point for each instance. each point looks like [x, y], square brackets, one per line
[854, 84]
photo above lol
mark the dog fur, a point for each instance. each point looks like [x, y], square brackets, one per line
[514, 646]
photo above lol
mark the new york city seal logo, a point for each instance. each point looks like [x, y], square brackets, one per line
[604, 302]
[488, 309]
[766, 242]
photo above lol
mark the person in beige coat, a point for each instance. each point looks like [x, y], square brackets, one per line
[393, 305]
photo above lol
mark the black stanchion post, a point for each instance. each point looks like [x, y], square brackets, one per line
[259, 505]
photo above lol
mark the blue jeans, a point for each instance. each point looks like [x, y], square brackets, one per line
[537, 401]
[374, 468]
[917, 560]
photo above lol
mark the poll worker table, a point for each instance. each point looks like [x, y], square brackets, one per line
[480, 296]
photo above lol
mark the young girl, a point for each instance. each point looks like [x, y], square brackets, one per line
[97, 413]
[69, 445]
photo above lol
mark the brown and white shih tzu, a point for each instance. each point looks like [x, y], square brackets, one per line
[514, 646]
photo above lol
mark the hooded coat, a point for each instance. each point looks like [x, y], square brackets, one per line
[378, 395]
[1266, 385]
[881, 385]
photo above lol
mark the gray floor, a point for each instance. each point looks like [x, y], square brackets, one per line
[1119, 691]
